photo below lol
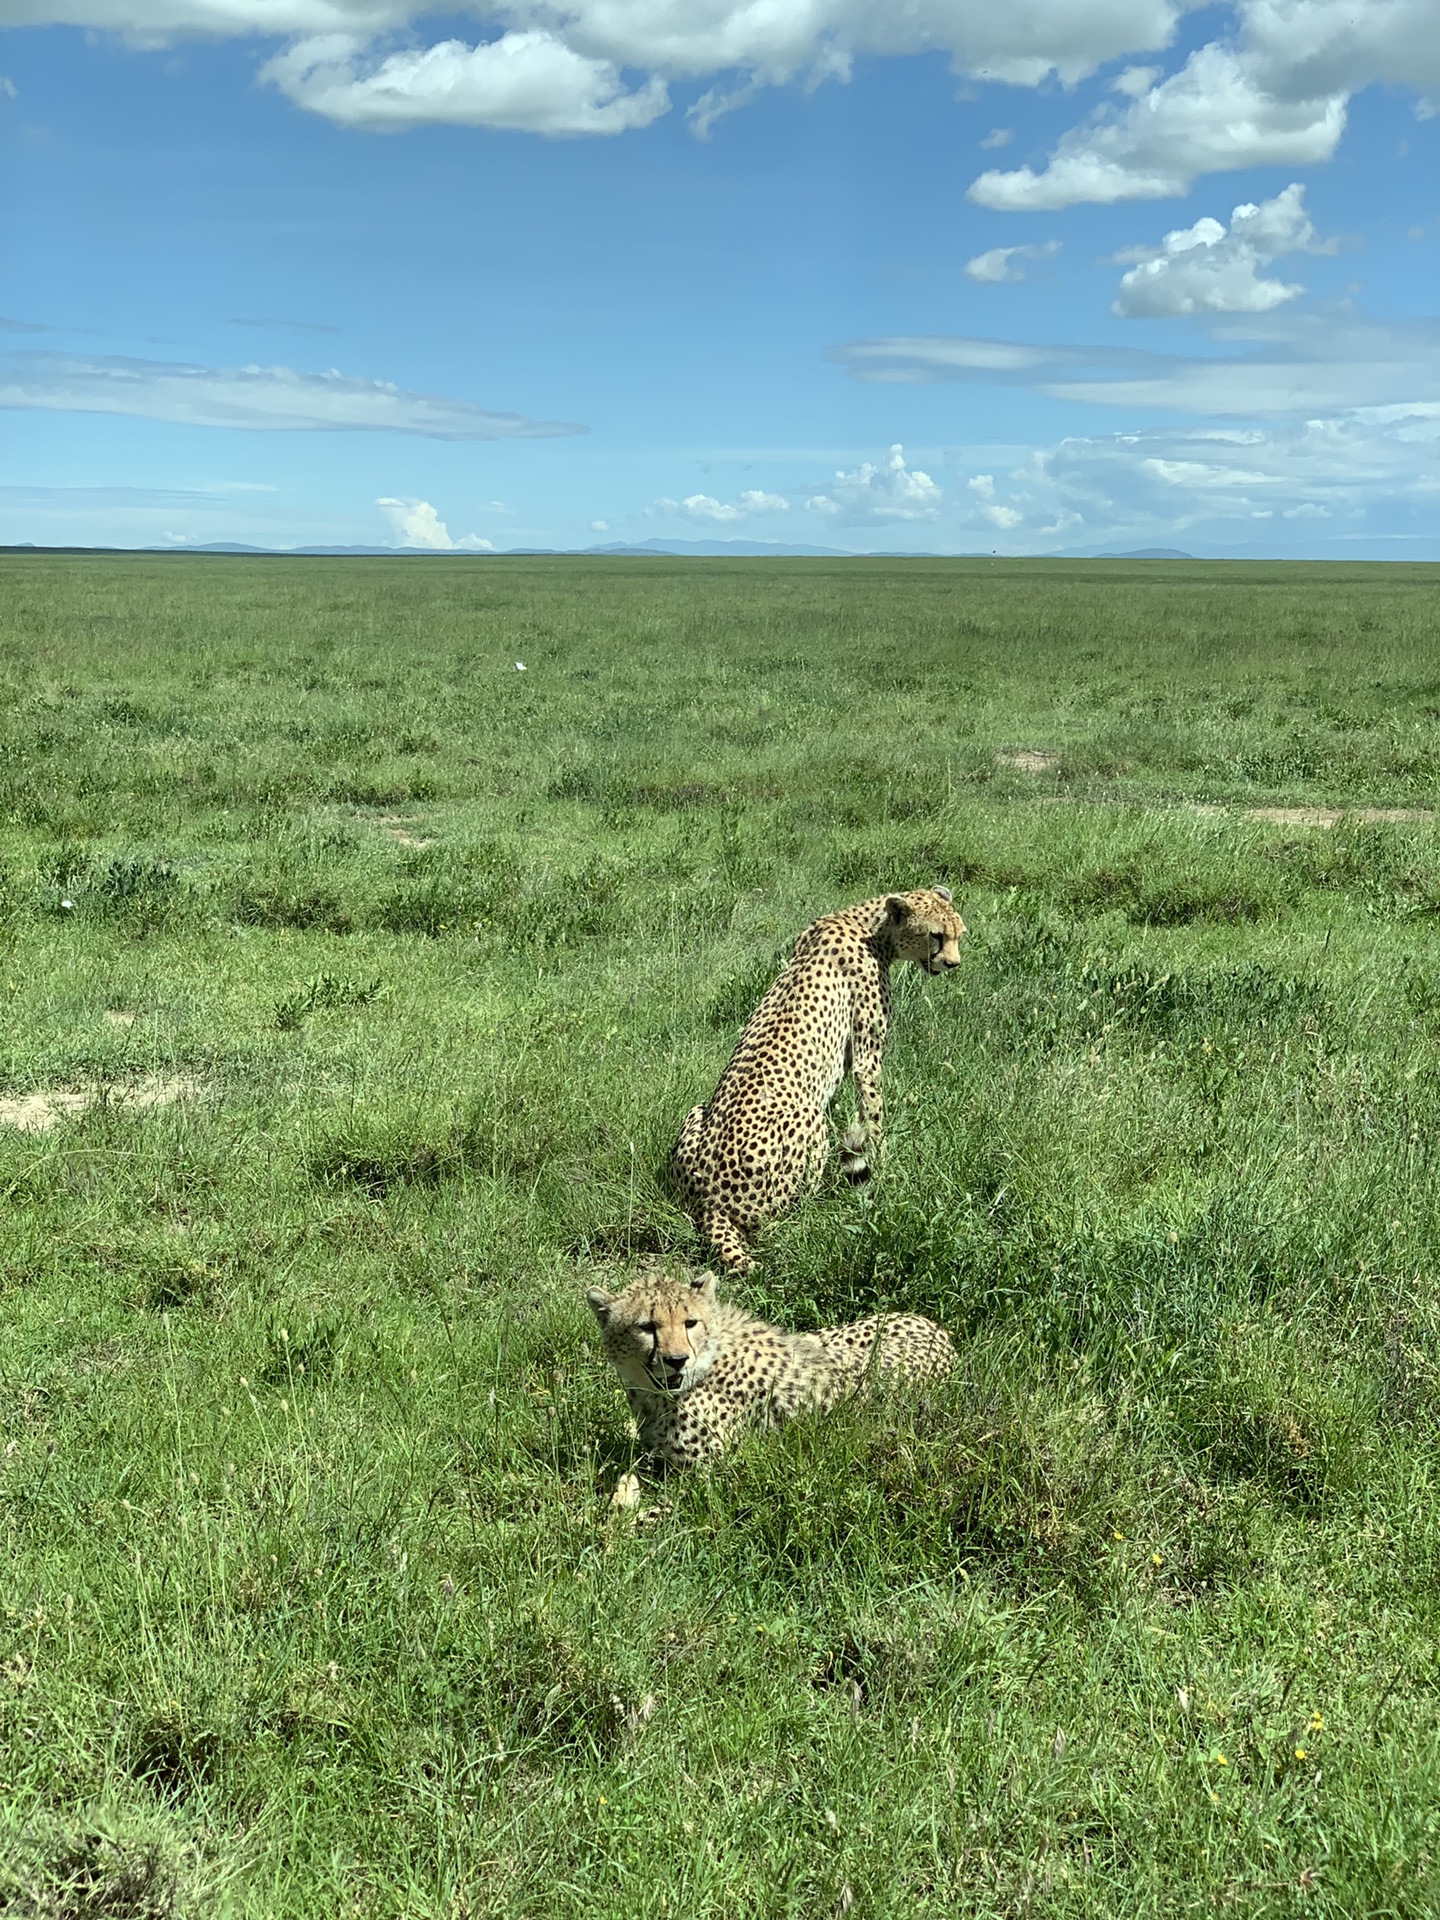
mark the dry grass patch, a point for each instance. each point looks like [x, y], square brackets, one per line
[38, 1112]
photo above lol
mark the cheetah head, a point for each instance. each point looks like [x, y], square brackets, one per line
[924, 927]
[657, 1332]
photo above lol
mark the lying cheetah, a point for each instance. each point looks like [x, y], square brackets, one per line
[696, 1371]
[761, 1138]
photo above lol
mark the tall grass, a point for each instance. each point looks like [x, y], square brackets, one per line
[311, 1597]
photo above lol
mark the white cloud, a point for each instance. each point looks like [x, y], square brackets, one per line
[159, 22]
[998, 264]
[703, 507]
[525, 82]
[87, 497]
[1337, 46]
[1163, 485]
[417, 524]
[911, 359]
[997, 137]
[1273, 94]
[1209, 269]
[261, 398]
[1135, 80]
[1285, 365]
[991, 510]
[557, 66]
[1271, 90]
[880, 491]
[1214, 114]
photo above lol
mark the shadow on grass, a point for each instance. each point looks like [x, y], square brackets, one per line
[89, 1876]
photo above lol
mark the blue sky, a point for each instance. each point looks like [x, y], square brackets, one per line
[1054, 276]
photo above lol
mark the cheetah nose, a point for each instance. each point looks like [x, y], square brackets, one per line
[675, 1363]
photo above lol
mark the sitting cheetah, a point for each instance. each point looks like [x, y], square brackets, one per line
[696, 1371]
[761, 1138]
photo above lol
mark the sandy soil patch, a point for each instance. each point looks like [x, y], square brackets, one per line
[1329, 816]
[397, 827]
[39, 1112]
[1318, 816]
[118, 1017]
[1029, 760]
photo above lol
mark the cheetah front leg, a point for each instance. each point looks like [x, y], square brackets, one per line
[727, 1240]
[863, 1145]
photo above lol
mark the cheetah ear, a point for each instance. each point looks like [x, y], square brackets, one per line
[943, 893]
[897, 909]
[600, 1303]
[703, 1284]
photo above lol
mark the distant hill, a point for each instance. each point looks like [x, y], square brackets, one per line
[1148, 553]
[614, 550]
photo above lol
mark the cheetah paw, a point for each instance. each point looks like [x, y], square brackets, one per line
[627, 1491]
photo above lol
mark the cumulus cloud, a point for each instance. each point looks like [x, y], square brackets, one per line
[1271, 89]
[557, 66]
[704, 508]
[1264, 366]
[1273, 93]
[1214, 114]
[1000, 263]
[523, 82]
[1135, 80]
[1208, 268]
[989, 508]
[417, 524]
[879, 491]
[261, 398]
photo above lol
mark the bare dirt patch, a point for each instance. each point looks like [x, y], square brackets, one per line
[397, 827]
[40, 1111]
[1029, 760]
[1320, 816]
[119, 1017]
[1330, 816]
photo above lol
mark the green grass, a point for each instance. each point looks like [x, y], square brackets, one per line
[311, 1599]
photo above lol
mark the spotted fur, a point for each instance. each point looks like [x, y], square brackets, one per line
[696, 1371]
[762, 1139]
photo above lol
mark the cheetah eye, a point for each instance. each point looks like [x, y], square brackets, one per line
[937, 941]
[646, 1326]
[691, 1323]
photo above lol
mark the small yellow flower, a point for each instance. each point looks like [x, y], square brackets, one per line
[1300, 1753]
[1317, 1721]
[1158, 1559]
[1221, 1761]
[1116, 1533]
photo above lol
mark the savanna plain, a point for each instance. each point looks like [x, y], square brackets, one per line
[355, 983]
